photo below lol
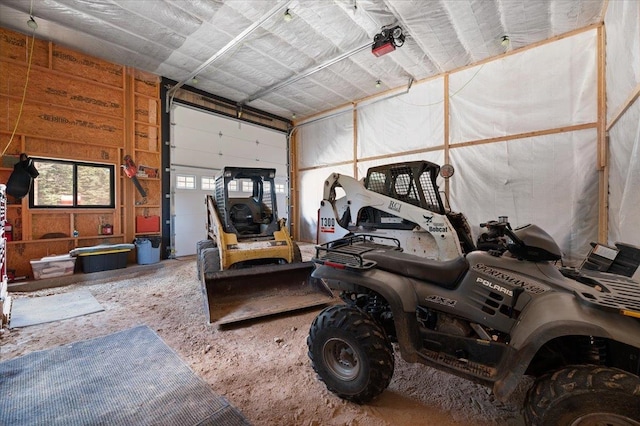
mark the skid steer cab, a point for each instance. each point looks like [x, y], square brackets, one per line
[401, 201]
[249, 266]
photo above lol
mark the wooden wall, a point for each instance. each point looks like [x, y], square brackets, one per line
[76, 107]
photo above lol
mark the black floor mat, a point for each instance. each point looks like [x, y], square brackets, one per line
[127, 378]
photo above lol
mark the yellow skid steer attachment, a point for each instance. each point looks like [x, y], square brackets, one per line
[237, 295]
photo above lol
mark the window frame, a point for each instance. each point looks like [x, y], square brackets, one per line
[186, 176]
[210, 183]
[75, 164]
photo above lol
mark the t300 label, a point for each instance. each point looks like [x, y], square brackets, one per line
[328, 225]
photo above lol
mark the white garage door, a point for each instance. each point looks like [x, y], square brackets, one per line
[202, 143]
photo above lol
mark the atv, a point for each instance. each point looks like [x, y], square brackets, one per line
[492, 316]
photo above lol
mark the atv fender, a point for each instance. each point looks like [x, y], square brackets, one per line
[553, 315]
[397, 290]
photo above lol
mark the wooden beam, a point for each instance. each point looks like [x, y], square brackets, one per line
[635, 93]
[446, 132]
[602, 144]
[340, 163]
[564, 129]
[355, 141]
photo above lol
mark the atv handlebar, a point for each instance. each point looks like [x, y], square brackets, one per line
[498, 229]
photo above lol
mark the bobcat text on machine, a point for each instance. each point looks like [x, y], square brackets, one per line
[400, 200]
[489, 316]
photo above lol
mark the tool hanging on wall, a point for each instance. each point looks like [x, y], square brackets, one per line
[131, 171]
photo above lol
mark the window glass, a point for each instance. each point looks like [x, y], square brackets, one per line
[72, 184]
[185, 182]
[207, 183]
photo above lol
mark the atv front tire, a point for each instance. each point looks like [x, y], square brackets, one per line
[350, 353]
[584, 395]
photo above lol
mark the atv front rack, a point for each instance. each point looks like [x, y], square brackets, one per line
[347, 252]
[607, 291]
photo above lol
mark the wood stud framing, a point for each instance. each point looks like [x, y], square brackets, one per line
[82, 108]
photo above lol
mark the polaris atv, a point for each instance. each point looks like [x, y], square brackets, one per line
[491, 316]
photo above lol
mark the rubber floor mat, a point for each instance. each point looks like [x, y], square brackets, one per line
[27, 311]
[128, 378]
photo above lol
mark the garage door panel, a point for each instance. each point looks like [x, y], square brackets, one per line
[203, 143]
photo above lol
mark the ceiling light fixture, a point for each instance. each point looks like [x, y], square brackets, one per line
[505, 41]
[31, 23]
[387, 41]
[194, 80]
[287, 16]
[378, 84]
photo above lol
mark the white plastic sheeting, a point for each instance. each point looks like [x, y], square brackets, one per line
[622, 25]
[405, 122]
[550, 181]
[551, 86]
[326, 141]
[624, 178]
[623, 76]
[173, 38]
[311, 184]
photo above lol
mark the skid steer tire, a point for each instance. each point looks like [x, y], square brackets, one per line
[584, 395]
[201, 245]
[297, 254]
[350, 353]
[210, 261]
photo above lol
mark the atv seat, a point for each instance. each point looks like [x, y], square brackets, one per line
[445, 274]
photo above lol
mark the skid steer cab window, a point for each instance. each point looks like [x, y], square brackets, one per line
[66, 184]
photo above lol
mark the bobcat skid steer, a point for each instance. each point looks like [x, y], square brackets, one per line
[400, 201]
[248, 266]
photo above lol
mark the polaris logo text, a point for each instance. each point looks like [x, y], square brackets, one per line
[495, 287]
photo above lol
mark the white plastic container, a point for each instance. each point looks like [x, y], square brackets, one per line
[53, 266]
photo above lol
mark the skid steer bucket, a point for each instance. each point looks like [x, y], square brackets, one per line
[237, 295]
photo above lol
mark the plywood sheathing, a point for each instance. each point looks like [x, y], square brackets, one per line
[76, 107]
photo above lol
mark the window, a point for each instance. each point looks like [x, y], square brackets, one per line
[207, 183]
[233, 186]
[279, 188]
[185, 182]
[247, 186]
[72, 184]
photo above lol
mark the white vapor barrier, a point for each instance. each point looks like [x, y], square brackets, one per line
[622, 24]
[433, 156]
[624, 178]
[546, 87]
[311, 188]
[326, 141]
[550, 181]
[405, 122]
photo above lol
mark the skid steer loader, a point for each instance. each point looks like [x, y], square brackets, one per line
[401, 201]
[248, 266]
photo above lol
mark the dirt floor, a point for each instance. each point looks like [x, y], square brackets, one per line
[262, 368]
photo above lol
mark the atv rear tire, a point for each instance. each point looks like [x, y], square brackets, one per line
[350, 353]
[584, 395]
[210, 261]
